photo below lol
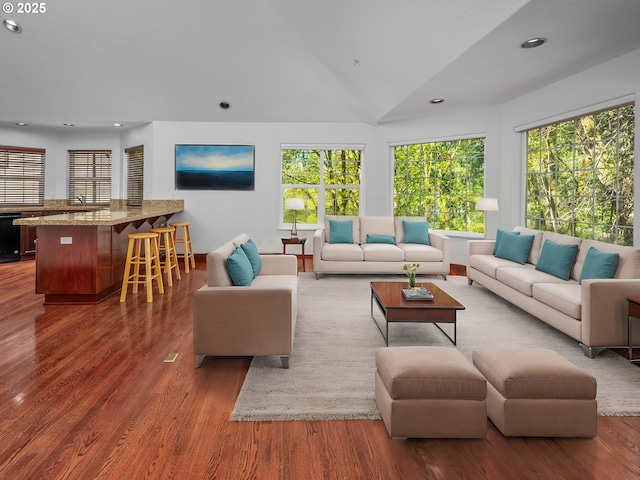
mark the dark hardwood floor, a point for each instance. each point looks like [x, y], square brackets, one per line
[84, 394]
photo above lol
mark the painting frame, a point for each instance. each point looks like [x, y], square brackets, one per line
[214, 167]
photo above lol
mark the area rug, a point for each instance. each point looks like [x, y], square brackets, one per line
[333, 363]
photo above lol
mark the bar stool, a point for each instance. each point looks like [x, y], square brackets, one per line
[150, 258]
[166, 245]
[185, 240]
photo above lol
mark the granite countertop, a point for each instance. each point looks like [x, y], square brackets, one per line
[115, 215]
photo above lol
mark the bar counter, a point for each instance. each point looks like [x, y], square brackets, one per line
[80, 256]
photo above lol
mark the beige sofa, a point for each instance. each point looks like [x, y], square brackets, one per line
[363, 257]
[259, 319]
[594, 312]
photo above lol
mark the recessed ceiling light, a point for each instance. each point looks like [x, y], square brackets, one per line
[436, 100]
[117, 124]
[534, 42]
[224, 105]
[21, 124]
[12, 26]
[69, 125]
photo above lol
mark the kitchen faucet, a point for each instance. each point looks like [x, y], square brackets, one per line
[81, 199]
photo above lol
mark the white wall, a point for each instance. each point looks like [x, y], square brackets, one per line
[219, 215]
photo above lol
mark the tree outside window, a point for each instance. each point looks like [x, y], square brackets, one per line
[441, 181]
[580, 176]
[328, 181]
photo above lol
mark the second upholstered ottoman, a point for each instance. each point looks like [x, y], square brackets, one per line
[430, 392]
[536, 392]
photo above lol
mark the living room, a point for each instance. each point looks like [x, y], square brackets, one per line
[220, 215]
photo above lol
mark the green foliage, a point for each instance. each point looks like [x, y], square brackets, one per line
[441, 181]
[580, 176]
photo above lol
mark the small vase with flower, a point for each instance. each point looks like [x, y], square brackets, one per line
[411, 269]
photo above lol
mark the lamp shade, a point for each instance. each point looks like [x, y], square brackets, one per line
[487, 204]
[294, 204]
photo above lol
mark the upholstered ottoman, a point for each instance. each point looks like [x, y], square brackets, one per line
[535, 392]
[430, 392]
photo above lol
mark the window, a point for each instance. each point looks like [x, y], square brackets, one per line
[90, 177]
[21, 176]
[580, 176]
[328, 180]
[440, 181]
[135, 179]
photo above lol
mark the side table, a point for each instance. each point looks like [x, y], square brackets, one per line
[634, 311]
[294, 241]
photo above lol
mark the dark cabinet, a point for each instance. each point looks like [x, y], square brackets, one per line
[28, 235]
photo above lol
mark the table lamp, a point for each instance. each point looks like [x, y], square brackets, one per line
[294, 204]
[486, 205]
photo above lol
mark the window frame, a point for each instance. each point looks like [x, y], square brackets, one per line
[135, 175]
[473, 219]
[93, 188]
[322, 187]
[575, 224]
[22, 158]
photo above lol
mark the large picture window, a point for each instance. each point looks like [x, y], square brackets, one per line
[440, 181]
[327, 179]
[580, 176]
[21, 176]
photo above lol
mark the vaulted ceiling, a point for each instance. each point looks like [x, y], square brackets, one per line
[373, 61]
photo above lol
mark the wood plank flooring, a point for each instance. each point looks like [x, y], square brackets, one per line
[85, 394]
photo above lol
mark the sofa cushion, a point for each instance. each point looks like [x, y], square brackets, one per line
[371, 238]
[522, 278]
[253, 255]
[488, 264]
[565, 297]
[628, 265]
[535, 246]
[557, 259]
[382, 252]
[415, 231]
[349, 252]
[239, 267]
[341, 231]
[599, 264]
[376, 225]
[515, 248]
[415, 252]
[355, 222]
[499, 234]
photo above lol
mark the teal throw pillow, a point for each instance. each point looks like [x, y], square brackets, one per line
[599, 264]
[499, 234]
[239, 268]
[557, 259]
[371, 238]
[415, 231]
[340, 231]
[515, 248]
[251, 251]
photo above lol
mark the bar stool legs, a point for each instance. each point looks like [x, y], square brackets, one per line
[150, 260]
[168, 247]
[185, 240]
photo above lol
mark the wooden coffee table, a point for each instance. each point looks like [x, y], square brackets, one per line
[395, 308]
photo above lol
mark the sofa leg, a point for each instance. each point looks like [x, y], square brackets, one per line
[444, 276]
[591, 352]
[285, 361]
[469, 281]
[199, 359]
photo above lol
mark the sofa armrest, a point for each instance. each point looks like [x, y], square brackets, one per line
[605, 311]
[441, 242]
[243, 321]
[480, 247]
[279, 265]
[318, 242]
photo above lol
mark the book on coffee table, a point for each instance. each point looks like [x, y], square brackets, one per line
[419, 293]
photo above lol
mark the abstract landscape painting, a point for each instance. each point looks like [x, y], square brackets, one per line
[215, 167]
